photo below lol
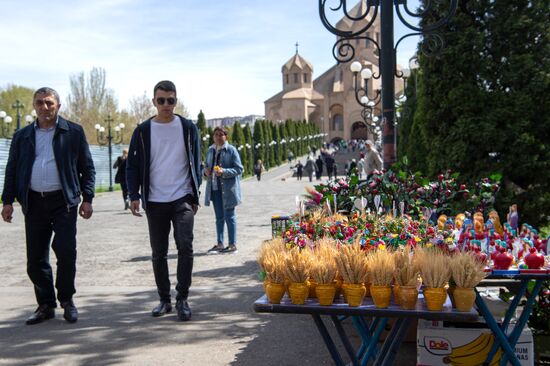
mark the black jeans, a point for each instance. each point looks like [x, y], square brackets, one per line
[47, 215]
[160, 216]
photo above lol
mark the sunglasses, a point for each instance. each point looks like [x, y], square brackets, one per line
[169, 101]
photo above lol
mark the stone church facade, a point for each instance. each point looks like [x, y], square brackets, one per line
[329, 101]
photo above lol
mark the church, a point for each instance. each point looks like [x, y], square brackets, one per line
[329, 101]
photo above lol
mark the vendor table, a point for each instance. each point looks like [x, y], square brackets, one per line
[369, 322]
[508, 342]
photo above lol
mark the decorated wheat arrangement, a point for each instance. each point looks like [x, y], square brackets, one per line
[434, 267]
[467, 270]
[406, 267]
[323, 264]
[381, 267]
[352, 263]
[297, 265]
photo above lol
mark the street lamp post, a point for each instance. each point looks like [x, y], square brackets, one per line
[108, 140]
[5, 128]
[18, 106]
[344, 51]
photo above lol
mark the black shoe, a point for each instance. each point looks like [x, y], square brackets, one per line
[216, 249]
[184, 311]
[70, 312]
[43, 312]
[161, 309]
[230, 249]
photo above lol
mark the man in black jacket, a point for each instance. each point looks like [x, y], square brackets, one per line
[49, 168]
[164, 171]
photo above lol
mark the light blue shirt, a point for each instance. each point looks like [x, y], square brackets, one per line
[45, 176]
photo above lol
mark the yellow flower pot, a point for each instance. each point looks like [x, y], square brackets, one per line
[367, 286]
[266, 281]
[408, 295]
[354, 292]
[298, 292]
[435, 298]
[450, 292]
[381, 296]
[396, 290]
[325, 293]
[338, 285]
[344, 294]
[464, 298]
[275, 292]
[312, 285]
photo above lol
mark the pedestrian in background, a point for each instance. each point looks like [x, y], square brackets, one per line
[49, 167]
[319, 164]
[309, 168]
[120, 176]
[223, 188]
[373, 161]
[258, 169]
[299, 170]
[164, 171]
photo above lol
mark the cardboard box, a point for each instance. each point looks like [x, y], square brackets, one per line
[440, 344]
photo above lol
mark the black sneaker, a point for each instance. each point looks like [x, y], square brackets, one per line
[230, 249]
[184, 311]
[216, 249]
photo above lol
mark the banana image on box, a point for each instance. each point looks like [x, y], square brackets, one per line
[474, 353]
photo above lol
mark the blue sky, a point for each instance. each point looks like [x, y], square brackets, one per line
[224, 56]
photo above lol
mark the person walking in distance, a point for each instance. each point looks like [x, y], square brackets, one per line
[164, 172]
[299, 170]
[258, 169]
[309, 168]
[223, 188]
[120, 176]
[373, 161]
[319, 167]
[49, 167]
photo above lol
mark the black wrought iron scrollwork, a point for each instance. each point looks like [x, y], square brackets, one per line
[432, 44]
[371, 5]
[423, 11]
[344, 51]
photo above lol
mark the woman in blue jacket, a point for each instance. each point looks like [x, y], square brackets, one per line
[223, 169]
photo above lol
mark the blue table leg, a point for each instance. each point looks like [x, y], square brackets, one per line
[493, 325]
[345, 340]
[328, 340]
[524, 317]
[362, 329]
[389, 356]
[371, 350]
[387, 342]
[509, 314]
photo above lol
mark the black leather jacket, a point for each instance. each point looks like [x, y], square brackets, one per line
[72, 156]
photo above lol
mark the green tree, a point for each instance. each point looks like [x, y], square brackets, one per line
[201, 125]
[10, 95]
[482, 103]
[249, 142]
[239, 142]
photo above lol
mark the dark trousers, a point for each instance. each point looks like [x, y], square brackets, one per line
[46, 216]
[160, 217]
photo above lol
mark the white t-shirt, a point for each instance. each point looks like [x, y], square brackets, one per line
[169, 177]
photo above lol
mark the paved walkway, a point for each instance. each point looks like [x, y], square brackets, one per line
[116, 293]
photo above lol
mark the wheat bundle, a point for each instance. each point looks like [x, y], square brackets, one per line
[434, 267]
[406, 268]
[381, 267]
[352, 263]
[268, 247]
[323, 265]
[467, 270]
[297, 265]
